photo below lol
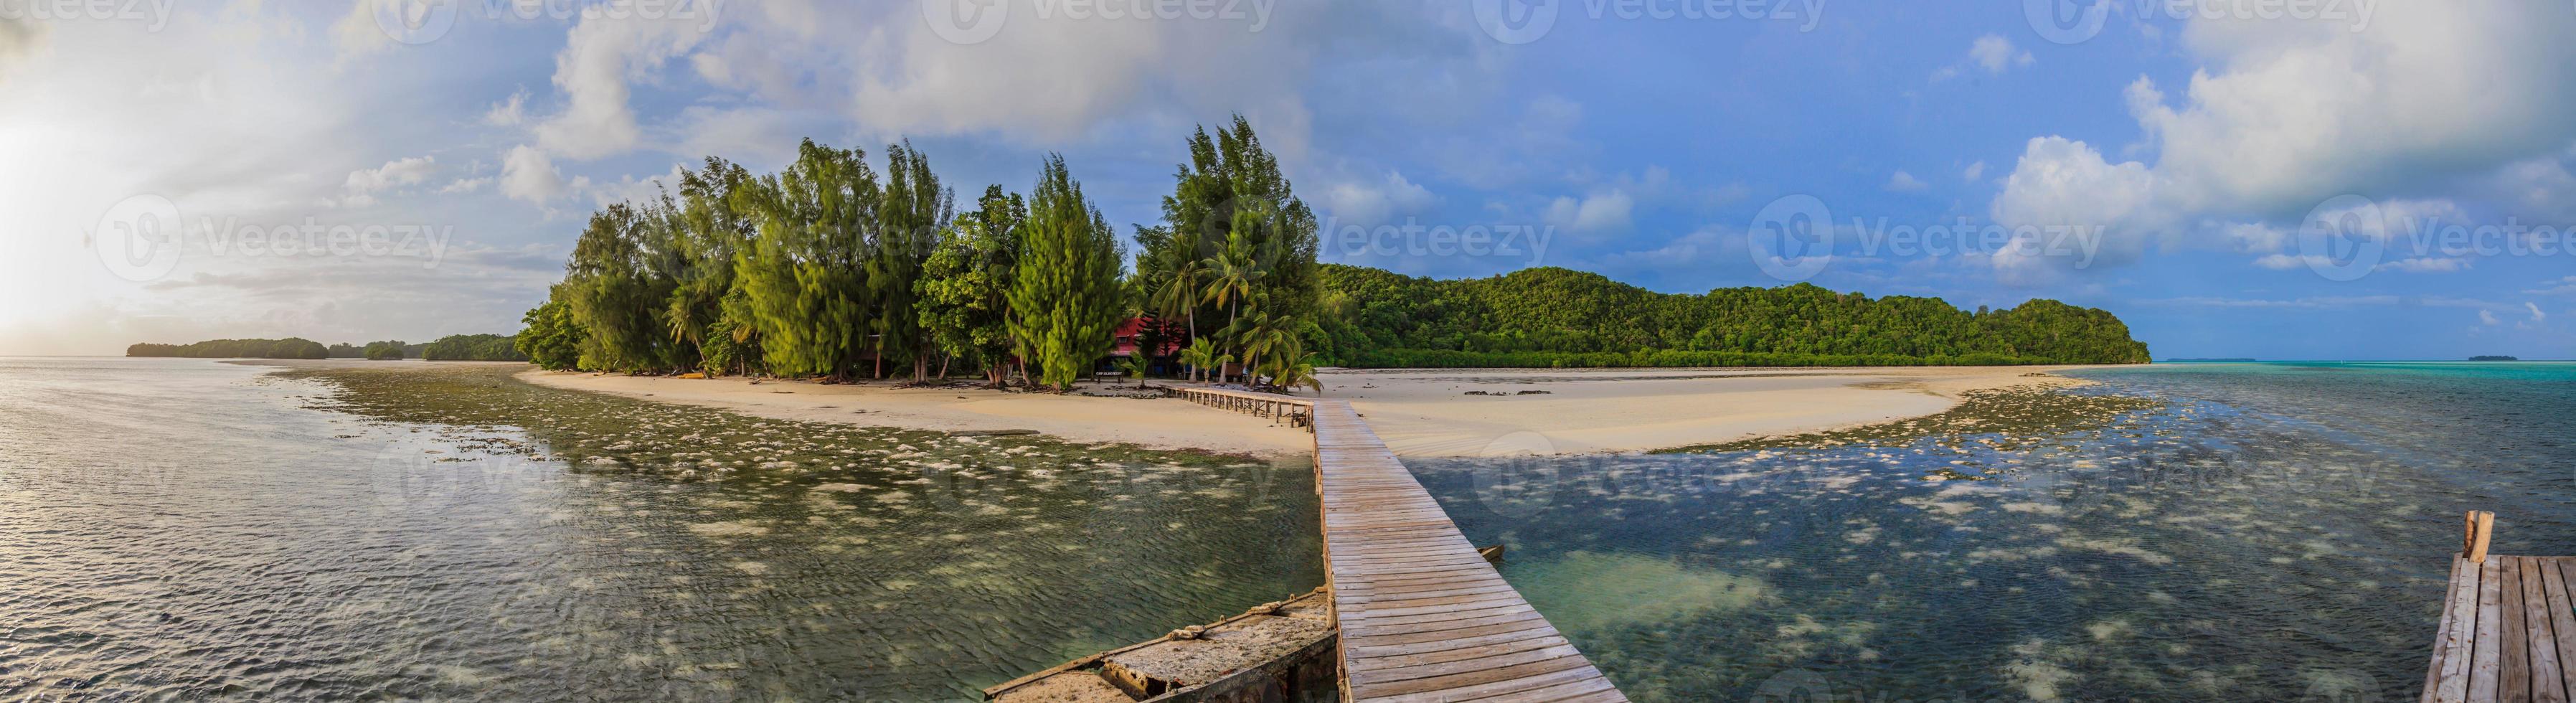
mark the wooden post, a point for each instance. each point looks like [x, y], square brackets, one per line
[2481, 526]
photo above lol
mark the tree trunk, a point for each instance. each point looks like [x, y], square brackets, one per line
[920, 367]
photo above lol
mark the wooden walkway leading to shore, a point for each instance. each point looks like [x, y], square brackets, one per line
[2508, 630]
[1423, 617]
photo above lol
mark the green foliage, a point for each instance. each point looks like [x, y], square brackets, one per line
[288, 348]
[805, 276]
[1065, 295]
[912, 219]
[473, 347]
[1558, 317]
[963, 298]
[1136, 366]
[731, 345]
[1235, 242]
[709, 230]
[552, 338]
[386, 351]
[619, 283]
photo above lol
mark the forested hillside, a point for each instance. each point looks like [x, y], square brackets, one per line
[1559, 317]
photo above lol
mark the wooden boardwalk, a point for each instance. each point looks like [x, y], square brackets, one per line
[1423, 617]
[2508, 631]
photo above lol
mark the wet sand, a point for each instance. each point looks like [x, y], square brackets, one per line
[1418, 412]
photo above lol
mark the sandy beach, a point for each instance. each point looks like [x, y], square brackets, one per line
[1418, 412]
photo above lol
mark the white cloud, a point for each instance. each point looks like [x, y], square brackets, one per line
[2285, 262]
[1697, 251]
[466, 185]
[600, 56]
[1370, 204]
[361, 186]
[1991, 53]
[528, 174]
[2536, 314]
[2424, 264]
[1903, 182]
[2286, 114]
[2064, 184]
[2256, 237]
[1994, 53]
[2562, 286]
[1975, 171]
[2488, 317]
[1601, 211]
[508, 113]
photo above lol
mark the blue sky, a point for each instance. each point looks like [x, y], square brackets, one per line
[2234, 177]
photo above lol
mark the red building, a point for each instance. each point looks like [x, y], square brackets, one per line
[1126, 342]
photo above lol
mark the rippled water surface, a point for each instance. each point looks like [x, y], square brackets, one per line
[188, 529]
[2204, 532]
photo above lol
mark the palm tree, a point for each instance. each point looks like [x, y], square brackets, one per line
[1295, 368]
[1179, 294]
[1234, 275]
[1200, 352]
[1260, 334]
[1136, 365]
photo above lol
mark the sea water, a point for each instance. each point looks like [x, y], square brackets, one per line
[191, 530]
[2255, 532]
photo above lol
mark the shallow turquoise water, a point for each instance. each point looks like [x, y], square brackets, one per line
[2267, 532]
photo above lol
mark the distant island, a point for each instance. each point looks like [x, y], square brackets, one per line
[2493, 358]
[455, 347]
[2212, 360]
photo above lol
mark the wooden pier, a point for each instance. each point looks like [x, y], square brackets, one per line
[1422, 615]
[2508, 631]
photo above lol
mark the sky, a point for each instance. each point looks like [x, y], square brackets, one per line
[2283, 179]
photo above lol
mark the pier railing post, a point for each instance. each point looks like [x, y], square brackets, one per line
[2480, 526]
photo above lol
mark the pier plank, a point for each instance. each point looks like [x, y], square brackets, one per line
[2487, 665]
[1423, 616]
[2562, 618]
[2508, 633]
[2547, 684]
[2514, 675]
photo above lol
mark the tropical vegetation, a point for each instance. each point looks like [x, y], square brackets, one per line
[288, 348]
[832, 268]
[1546, 317]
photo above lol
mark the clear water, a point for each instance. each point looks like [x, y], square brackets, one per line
[184, 529]
[2261, 532]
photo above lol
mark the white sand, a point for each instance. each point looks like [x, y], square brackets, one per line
[1417, 412]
